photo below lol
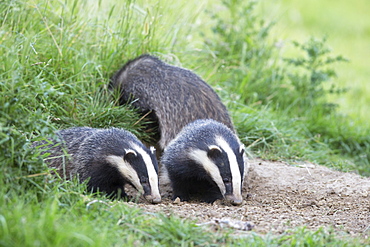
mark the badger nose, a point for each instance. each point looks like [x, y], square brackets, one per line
[156, 200]
[234, 200]
[153, 199]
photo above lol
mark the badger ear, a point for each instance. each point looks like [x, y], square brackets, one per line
[129, 153]
[242, 149]
[213, 151]
[152, 150]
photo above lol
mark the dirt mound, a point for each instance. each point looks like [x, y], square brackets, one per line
[280, 196]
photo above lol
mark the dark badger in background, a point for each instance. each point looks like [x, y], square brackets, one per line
[174, 96]
[108, 158]
[206, 160]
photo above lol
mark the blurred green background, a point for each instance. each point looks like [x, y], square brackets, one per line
[346, 24]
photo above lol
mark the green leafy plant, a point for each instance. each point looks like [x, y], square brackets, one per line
[311, 73]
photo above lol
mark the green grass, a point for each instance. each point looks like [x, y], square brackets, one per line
[60, 215]
[56, 60]
[64, 217]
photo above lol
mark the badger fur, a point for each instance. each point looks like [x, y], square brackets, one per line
[172, 96]
[207, 160]
[107, 158]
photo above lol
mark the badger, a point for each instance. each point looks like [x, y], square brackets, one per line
[107, 158]
[206, 160]
[171, 96]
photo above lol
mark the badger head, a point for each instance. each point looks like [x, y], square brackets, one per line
[139, 167]
[224, 163]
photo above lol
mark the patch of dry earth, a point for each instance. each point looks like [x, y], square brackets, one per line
[279, 196]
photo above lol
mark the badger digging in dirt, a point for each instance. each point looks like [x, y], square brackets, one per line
[171, 96]
[207, 161]
[107, 158]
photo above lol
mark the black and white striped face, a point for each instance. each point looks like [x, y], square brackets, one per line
[224, 162]
[140, 168]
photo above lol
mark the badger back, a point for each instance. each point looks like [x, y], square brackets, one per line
[62, 148]
[206, 148]
[176, 96]
[111, 155]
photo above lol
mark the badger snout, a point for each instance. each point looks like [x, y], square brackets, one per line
[233, 194]
[234, 200]
[151, 196]
[153, 199]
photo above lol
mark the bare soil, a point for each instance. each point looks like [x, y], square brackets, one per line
[279, 196]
